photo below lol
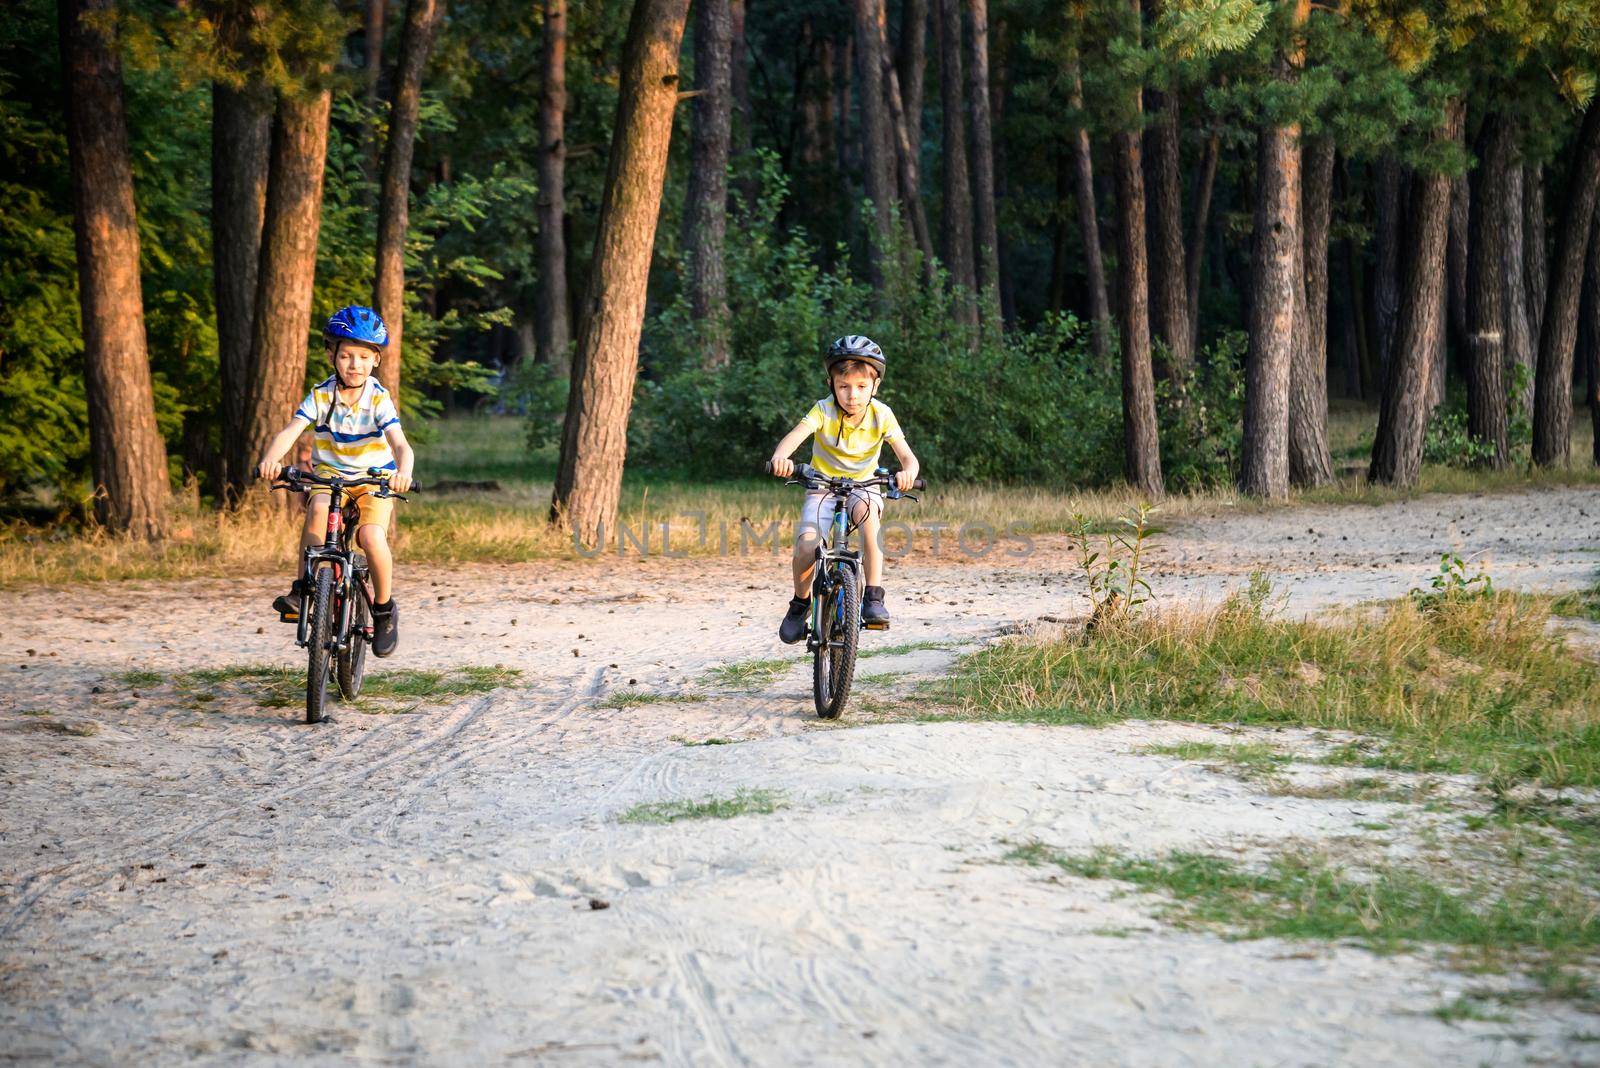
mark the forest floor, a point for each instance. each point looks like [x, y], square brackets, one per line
[589, 816]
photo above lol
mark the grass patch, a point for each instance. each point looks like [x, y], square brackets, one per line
[1582, 604]
[634, 698]
[1468, 1008]
[743, 803]
[1301, 896]
[1365, 788]
[901, 649]
[269, 686]
[140, 678]
[1250, 760]
[749, 673]
[688, 743]
[1471, 684]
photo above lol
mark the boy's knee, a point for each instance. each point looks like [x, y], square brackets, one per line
[372, 536]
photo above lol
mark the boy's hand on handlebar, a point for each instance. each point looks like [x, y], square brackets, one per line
[399, 483]
[269, 470]
[904, 481]
[781, 466]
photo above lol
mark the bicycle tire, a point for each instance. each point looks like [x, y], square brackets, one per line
[833, 666]
[352, 663]
[321, 631]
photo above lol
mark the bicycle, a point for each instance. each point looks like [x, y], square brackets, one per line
[335, 624]
[836, 588]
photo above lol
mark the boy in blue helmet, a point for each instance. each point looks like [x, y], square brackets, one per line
[357, 427]
[847, 429]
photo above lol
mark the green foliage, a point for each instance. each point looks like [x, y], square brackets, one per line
[1452, 583]
[1113, 579]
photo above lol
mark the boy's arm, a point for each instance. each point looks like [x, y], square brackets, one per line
[271, 465]
[908, 464]
[782, 466]
[400, 481]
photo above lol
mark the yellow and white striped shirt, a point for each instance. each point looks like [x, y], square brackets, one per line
[349, 437]
[840, 450]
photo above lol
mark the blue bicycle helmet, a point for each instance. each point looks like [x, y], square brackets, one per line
[357, 323]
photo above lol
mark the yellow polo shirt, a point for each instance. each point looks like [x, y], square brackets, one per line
[840, 450]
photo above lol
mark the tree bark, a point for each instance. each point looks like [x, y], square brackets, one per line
[1060, 251]
[705, 217]
[1552, 404]
[739, 80]
[1591, 313]
[394, 199]
[1195, 249]
[1141, 445]
[913, 63]
[372, 74]
[553, 319]
[986, 239]
[907, 164]
[1169, 284]
[1386, 269]
[1522, 341]
[956, 216]
[594, 446]
[281, 329]
[1275, 305]
[1309, 461]
[1403, 418]
[1089, 225]
[877, 152]
[128, 459]
[1536, 247]
[1456, 265]
[241, 141]
[1487, 290]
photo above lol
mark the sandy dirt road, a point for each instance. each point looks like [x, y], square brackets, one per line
[232, 886]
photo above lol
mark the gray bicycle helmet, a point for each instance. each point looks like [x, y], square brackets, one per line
[856, 347]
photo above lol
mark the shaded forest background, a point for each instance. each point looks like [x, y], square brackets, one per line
[1100, 240]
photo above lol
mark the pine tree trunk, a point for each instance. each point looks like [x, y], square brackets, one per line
[1169, 284]
[1486, 289]
[595, 442]
[877, 153]
[1386, 270]
[1552, 405]
[280, 333]
[1089, 226]
[912, 60]
[1141, 446]
[1403, 418]
[1535, 247]
[1195, 250]
[1061, 233]
[986, 239]
[1309, 461]
[1456, 266]
[705, 217]
[1276, 301]
[553, 319]
[956, 217]
[394, 198]
[241, 142]
[907, 163]
[372, 74]
[739, 80]
[1591, 313]
[128, 459]
[1522, 342]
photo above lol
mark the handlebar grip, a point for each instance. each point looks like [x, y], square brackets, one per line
[767, 467]
[919, 484]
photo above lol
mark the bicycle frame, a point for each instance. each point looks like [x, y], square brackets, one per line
[832, 554]
[335, 548]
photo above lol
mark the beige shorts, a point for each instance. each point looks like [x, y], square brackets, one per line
[817, 512]
[375, 511]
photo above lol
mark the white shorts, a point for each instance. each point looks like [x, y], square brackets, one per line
[817, 512]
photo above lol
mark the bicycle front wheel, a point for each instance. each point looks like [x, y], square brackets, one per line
[321, 632]
[834, 660]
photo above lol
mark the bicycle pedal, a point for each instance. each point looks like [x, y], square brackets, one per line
[288, 617]
[876, 626]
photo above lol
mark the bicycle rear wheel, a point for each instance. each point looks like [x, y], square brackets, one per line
[353, 661]
[834, 660]
[321, 632]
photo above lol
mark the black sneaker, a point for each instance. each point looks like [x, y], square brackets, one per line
[874, 616]
[288, 604]
[794, 623]
[385, 628]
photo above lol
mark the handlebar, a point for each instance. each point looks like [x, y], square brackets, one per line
[810, 477]
[294, 480]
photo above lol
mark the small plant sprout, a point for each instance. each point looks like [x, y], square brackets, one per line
[1116, 583]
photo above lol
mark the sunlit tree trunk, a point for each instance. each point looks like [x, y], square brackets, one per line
[1487, 292]
[1275, 307]
[394, 198]
[594, 446]
[1552, 404]
[1309, 460]
[128, 459]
